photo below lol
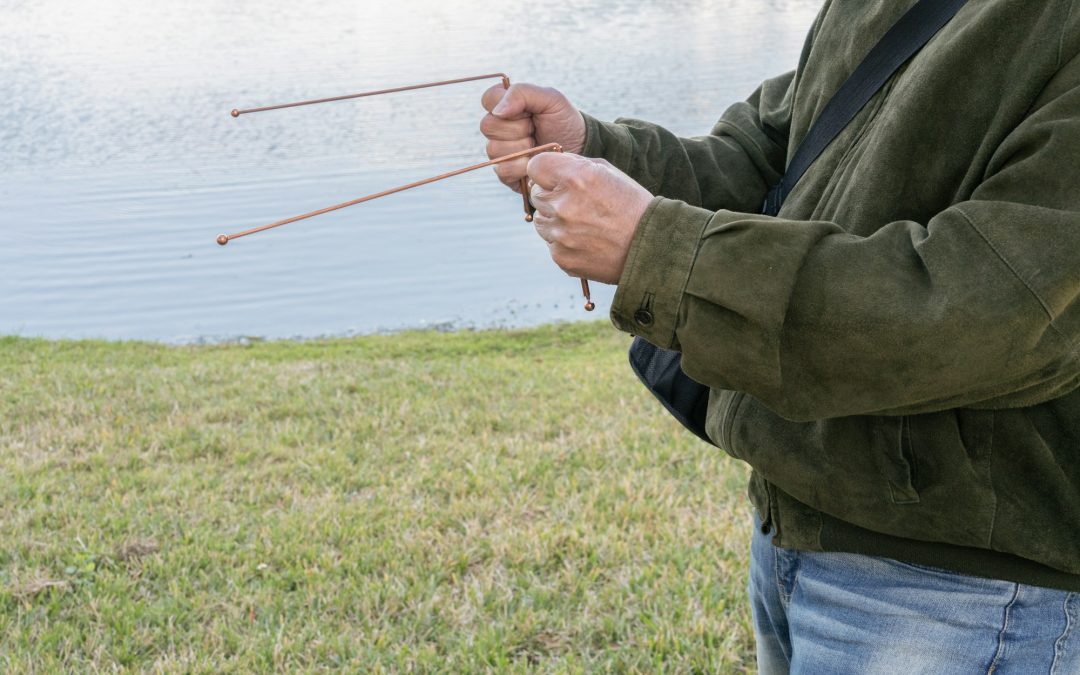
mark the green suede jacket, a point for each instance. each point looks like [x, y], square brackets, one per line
[896, 354]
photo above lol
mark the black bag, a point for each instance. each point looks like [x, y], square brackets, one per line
[660, 370]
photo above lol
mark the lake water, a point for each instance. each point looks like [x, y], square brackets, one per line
[119, 162]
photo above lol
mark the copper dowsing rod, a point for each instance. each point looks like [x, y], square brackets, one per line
[553, 147]
[523, 185]
[394, 90]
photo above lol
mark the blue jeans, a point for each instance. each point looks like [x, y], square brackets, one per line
[832, 613]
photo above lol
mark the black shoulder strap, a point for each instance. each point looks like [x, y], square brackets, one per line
[907, 36]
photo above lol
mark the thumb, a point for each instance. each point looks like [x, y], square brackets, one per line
[549, 170]
[522, 100]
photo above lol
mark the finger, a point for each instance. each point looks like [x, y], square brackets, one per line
[552, 232]
[522, 100]
[547, 227]
[501, 148]
[566, 259]
[511, 172]
[541, 200]
[601, 161]
[506, 130]
[550, 169]
[492, 96]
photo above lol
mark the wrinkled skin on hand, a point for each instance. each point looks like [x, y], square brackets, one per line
[523, 117]
[587, 211]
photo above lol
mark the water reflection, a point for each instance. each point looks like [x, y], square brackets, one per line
[120, 163]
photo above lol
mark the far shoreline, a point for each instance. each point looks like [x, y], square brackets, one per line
[444, 327]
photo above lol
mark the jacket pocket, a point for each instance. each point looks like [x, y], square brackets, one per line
[897, 462]
[920, 477]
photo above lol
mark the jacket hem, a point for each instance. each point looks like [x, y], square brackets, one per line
[838, 536]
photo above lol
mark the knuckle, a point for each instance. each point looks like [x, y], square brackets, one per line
[542, 224]
[577, 180]
[552, 94]
[517, 130]
[570, 242]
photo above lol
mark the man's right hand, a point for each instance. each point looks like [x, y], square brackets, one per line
[523, 117]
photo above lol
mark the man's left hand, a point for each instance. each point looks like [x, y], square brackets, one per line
[587, 211]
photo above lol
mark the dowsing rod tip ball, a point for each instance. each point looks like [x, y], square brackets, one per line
[590, 306]
[235, 113]
[528, 218]
[223, 239]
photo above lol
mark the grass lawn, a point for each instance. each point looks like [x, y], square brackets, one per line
[423, 502]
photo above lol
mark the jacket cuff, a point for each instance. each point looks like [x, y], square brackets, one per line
[658, 265]
[608, 140]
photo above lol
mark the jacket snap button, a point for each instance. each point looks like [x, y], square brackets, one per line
[643, 317]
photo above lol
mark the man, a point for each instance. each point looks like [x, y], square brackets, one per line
[895, 354]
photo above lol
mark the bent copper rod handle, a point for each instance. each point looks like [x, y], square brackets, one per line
[394, 90]
[552, 147]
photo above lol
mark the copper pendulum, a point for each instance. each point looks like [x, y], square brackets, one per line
[523, 186]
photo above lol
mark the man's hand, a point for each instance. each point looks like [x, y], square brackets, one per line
[587, 211]
[523, 117]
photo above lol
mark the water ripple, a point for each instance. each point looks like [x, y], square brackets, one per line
[120, 163]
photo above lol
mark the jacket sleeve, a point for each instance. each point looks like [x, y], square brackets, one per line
[979, 307]
[733, 167]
